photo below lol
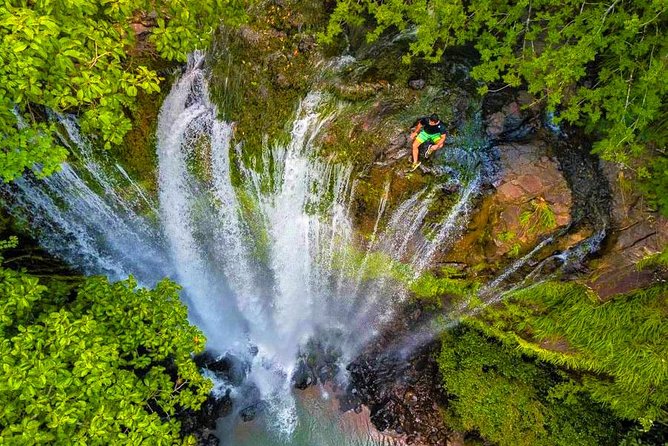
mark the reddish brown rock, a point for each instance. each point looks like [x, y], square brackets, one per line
[511, 215]
[529, 179]
[531, 184]
[636, 233]
[510, 192]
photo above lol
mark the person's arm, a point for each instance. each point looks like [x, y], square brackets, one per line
[416, 131]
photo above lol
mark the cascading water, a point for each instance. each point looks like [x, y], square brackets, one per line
[256, 245]
[89, 225]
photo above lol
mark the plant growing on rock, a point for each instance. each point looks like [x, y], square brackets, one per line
[539, 218]
[660, 259]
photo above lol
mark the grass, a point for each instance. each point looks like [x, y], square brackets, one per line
[658, 260]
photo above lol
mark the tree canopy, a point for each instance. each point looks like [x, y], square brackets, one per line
[79, 57]
[601, 64]
[107, 364]
[512, 400]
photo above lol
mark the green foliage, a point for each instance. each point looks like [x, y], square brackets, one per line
[507, 236]
[11, 242]
[513, 400]
[75, 57]
[619, 345]
[600, 64]
[112, 366]
[660, 259]
[539, 218]
[654, 182]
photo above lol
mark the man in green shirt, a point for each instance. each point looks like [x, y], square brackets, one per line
[430, 130]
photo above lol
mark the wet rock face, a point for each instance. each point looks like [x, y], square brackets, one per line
[400, 385]
[529, 196]
[510, 115]
[202, 423]
[530, 199]
[528, 173]
[636, 233]
[582, 170]
[227, 367]
[250, 412]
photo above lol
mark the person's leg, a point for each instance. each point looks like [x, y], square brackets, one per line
[434, 141]
[416, 146]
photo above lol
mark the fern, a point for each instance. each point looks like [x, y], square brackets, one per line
[11, 242]
[539, 218]
[660, 259]
[623, 338]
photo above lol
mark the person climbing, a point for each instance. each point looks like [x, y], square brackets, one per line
[429, 130]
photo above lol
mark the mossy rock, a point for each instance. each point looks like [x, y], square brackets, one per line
[260, 71]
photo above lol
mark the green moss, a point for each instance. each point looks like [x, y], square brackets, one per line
[137, 153]
[351, 137]
[259, 238]
[654, 179]
[430, 288]
[260, 72]
[198, 162]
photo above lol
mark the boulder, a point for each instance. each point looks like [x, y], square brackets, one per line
[214, 408]
[227, 367]
[511, 115]
[249, 413]
[417, 84]
[303, 376]
[202, 423]
[495, 124]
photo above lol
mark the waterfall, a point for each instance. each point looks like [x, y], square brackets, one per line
[450, 228]
[260, 309]
[96, 232]
[258, 239]
[187, 119]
